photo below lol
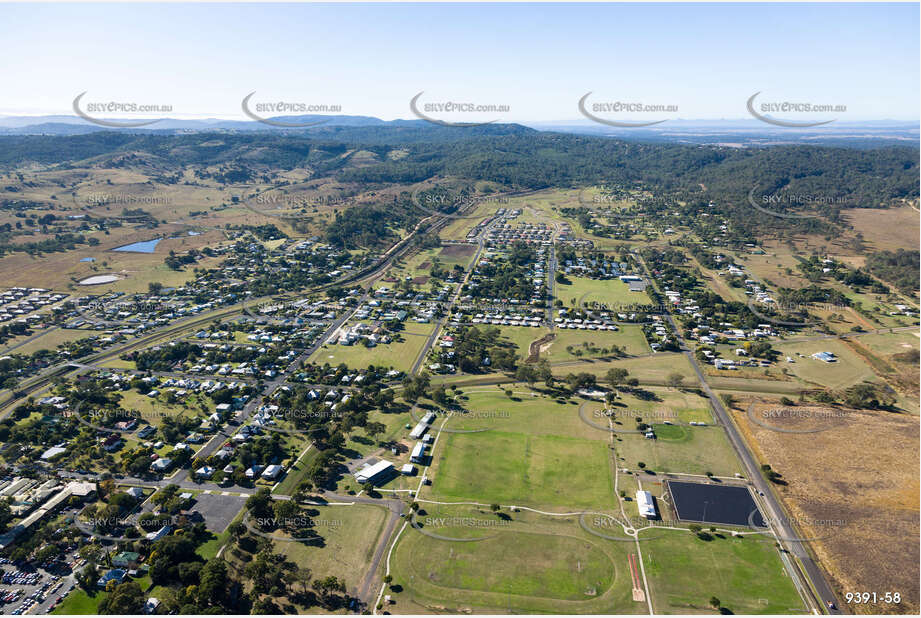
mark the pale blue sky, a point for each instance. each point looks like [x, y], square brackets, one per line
[538, 59]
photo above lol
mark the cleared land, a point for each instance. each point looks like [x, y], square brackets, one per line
[653, 369]
[535, 452]
[889, 228]
[679, 448]
[611, 292]
[746, 575]
[349, 538]
[568, 570]
[49, 340]
[513, 468]
[848, 370]
[399, 354]
[857, 500]
[568, 344]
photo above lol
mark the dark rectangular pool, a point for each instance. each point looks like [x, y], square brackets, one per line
[715, 504]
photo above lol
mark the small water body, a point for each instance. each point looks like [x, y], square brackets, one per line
[88, 259]
[99, 279]
[145, 246]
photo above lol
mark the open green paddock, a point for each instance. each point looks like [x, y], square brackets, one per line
[593, 343]
[746, 575]
[80, 602]
[526, 411]
[535, 451]
[516, 468]
[350, 534]
[611, 292]
[47, 340]
[653, 369]
[519, 336]
[848, 370]
[527, 563]
[678, 447]
[419, 264]
[655, 404]
[529, 411]
[399, 355]
[886, 344]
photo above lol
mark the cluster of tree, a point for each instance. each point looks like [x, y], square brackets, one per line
[535, 372]
[174, 261]
[274, 576]
[476, 350]
[363, 226]
[507, 278]
[706, 179]
[900, 268]
[812, 294]
[59, 243]
[416, 386]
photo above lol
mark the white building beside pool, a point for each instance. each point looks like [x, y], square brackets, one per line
[645, 504]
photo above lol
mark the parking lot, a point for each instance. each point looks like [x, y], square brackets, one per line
[26, 589]
[218, 510]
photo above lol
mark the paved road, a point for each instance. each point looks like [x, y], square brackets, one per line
[396, 510]
[775, 512]
[439, 326]
[551, 284]
[29, 339]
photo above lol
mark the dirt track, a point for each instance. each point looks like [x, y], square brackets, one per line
[534, 348]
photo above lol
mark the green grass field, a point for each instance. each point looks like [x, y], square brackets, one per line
[886, 344]
[79, 602]
[746, 576]
[295, 474]
[664, 404]
[399, 355]
[521, 337]
[849, 369]
[526, 412]
[350, 535]
[49, 340]
[610, 292]
[629, 337]
[527, 563]
[647, 369]
[516, 468]
[154, 410]
[679, 448]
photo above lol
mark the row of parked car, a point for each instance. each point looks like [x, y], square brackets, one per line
[21, 578]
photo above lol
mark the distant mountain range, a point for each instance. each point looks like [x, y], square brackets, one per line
[737, 132]
[71, 125]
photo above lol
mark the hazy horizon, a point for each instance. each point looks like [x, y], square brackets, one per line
[704, 61]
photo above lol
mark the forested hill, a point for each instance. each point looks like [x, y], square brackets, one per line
[514, 156]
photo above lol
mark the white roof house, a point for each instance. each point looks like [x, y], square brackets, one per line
[418, 453]
[272, 472]
[161, 464]
[645, 504]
